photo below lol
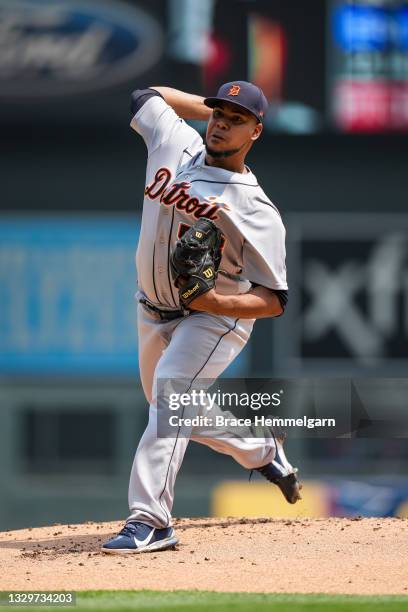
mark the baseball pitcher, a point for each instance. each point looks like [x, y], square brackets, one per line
[210, 261]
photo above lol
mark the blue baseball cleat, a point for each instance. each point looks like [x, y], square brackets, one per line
[138, 537]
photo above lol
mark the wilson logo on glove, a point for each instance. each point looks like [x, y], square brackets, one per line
[208, 273]
[190, 292]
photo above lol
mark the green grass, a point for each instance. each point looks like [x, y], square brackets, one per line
[204, 601]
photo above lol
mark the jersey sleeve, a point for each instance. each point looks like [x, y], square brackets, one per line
[264, 251]
[157, 124]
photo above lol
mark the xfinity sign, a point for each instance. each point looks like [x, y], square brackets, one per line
[348, 295]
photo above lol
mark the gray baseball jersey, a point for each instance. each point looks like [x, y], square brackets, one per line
[181, 188]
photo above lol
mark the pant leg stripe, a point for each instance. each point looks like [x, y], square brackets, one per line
[182, 413]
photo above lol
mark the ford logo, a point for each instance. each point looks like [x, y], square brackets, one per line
[71, 46]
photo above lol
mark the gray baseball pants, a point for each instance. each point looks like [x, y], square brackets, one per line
[198, 346]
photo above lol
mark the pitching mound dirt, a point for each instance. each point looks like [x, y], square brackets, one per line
[366, 556]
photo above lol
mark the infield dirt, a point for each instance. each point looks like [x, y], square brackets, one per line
[355, 556]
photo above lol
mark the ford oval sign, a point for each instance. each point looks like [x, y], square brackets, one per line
[56, 48]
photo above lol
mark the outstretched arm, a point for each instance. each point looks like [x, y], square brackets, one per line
[187, 106]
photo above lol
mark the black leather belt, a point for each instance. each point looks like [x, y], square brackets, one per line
[164, 315]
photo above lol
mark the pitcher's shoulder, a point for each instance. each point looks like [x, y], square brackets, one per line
[263, 200]
[260, 204]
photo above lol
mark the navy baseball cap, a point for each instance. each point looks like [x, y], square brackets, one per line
[243, 94]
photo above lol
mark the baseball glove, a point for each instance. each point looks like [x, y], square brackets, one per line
[195, 260]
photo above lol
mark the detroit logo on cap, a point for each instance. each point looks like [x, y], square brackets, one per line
[234, 90]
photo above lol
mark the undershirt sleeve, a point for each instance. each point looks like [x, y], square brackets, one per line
[139, 97]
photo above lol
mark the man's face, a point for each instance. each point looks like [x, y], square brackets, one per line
[231, 129]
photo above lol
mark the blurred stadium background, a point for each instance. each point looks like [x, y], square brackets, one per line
[333, 157]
